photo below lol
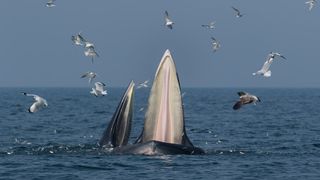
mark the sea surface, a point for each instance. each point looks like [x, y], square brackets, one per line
[278, 138]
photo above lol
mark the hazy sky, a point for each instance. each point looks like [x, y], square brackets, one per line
[130, 37]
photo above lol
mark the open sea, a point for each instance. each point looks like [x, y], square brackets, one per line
[278, 138]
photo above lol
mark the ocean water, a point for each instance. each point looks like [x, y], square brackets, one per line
[277, 139]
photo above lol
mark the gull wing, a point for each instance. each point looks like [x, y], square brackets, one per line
[235, 9]
[237, 105]
[85, 74]
[242, 93]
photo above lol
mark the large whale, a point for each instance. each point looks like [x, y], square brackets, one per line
[164, 126]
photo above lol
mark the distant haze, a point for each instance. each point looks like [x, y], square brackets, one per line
[130, 37]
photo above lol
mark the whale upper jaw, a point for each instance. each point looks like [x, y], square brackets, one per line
[164, 119]
[118, 131]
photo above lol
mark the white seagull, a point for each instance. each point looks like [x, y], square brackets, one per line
[210, 25]
[39, 102]
[87, 44]
[99, 89]
[77, 39]
[144, 84]
[238, 13]
[90, 52]
[50, 3]
[90, 75]
[264, 71]
[169, 23]
[311, 4]
[215, 44]
[245, 98]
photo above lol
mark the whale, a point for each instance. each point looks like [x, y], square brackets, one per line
[164, 131]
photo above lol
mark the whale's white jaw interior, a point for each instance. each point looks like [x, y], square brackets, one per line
[164, 119]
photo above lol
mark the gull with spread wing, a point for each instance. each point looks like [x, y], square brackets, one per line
[50, 3]
[169, 23]
[39, 102]
[245, 98]
[90, 75]
[264, 71]
[98, 90]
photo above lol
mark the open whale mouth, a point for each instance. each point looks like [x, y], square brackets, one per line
[118, 131]
[164, 120]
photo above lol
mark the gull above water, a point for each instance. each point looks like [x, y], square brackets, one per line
[50, 3]
[144, 84]
[169, 23]
[311, 4]
[90, 52]
[238, 13]
[245, 98]
[39, 102]
[90, 75]
[264, 71]
[211, 25]
[215, 44]
[98, 90]
[77, 39]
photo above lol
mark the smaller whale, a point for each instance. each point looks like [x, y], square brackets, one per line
[118, 131]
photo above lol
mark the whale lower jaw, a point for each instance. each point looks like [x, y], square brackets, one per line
[158, 148]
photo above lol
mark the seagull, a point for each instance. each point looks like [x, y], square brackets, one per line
[209, 26]
[245, 98]
[90, 52]
[50, 3]
[264, 71]
[99, 89]
[88, 44]
[77, 39]
[169, 23]
[144, 84]
[238, 14]
[215, 44]
[90, 75]
[39, 102]
[311, 4]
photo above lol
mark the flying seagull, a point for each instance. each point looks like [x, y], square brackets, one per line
[39, 102]
[88, 44]
[238, 13]
[144, 84]
[98, 90]
[77, 39]
[311, 4]
[245, 98]
[215, 44]
[264, 71]
[50, 3]
[90, 75]
[169, 23]
[210, 25]
[90, 52]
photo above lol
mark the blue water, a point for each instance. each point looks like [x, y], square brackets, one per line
[277, 139]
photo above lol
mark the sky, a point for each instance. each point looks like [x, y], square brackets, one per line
[130, 37]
